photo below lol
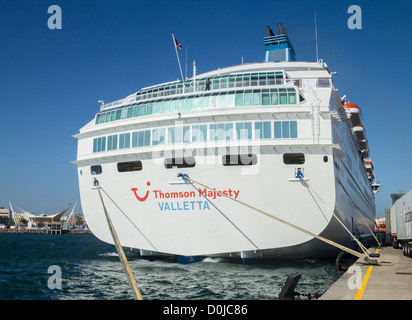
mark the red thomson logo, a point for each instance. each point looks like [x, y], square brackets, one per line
[141, 198]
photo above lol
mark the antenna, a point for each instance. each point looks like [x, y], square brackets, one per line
[316, 39]
[186, 65]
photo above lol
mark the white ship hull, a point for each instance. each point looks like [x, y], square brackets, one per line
[177, 219]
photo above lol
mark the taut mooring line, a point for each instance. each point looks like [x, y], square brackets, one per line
[230, 221]
[119, 248]
[361, 246]
[134, 225]
[354, 205]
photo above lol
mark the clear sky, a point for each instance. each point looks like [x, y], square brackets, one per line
[51, 80]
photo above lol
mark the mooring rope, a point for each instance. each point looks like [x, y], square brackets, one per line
[119, 248]
[227, 218]
[365, 250]
[134, 225]
[186, 178]
[354, 205]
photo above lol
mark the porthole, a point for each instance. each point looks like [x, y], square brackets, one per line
[95, 170]
[325, 159]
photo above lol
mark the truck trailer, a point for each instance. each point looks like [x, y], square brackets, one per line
[401, 223]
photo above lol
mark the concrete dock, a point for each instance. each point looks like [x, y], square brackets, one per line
[391, 279]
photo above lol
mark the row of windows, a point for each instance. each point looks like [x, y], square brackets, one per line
[189, 162]
[122, 141]
[217, 82]
[198, 133]
[259, 97]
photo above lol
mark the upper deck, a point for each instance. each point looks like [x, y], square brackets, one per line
[265, 83]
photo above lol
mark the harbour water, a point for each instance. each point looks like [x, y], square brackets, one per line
[91, 270]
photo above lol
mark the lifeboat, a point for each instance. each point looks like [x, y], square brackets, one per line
[368, 163]
[359, 132]
[355, 113]
[363, 144]
[365, 153]
[371, 177]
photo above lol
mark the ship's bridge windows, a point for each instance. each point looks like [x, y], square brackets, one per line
[95, 170]
[239, 160]
[181, 162]
[129, 166]
[293, 158]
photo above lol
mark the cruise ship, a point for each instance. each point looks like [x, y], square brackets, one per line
[274, 134]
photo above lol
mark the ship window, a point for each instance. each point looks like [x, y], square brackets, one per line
[96, 170]
[129, 166]
[158, 136]
[222, 131]
[294, 158]
[263, 130]
[182, 162]
[112, 142]
[265, 97]
[243, 130]
[141, 138]
[99, 144]
[286, 129]
[178, 134]
[199, 133]
[130, 112]
[124, 140]
[123, 113]
[239, 160]
[283, 96]
[239, 100]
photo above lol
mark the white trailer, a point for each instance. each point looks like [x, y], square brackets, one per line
[401, 223]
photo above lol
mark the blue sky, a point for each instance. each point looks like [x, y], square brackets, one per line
[51, 80]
